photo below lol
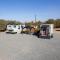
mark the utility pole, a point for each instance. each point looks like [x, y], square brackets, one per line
[35, 18]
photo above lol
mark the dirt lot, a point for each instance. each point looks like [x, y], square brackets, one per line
[28, 47]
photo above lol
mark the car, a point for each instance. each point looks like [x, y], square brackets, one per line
[13, 29]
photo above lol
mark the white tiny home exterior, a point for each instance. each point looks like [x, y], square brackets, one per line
[14, 28]
[46, 30]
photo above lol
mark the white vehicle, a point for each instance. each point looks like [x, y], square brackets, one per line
[46, 30]
[14, 28]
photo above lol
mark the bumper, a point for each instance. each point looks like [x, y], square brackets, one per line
[11, 32]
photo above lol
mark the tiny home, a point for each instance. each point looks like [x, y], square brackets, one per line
[14, 28]
[46, 30]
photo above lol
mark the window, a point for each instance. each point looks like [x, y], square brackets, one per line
[18, 27]
[9, 25]
[14, 26]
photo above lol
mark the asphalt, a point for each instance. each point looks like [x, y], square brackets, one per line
[28, 47]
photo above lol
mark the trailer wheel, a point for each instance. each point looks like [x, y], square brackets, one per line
[51, 36]
[38, 35]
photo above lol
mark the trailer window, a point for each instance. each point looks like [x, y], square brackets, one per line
[44, 27]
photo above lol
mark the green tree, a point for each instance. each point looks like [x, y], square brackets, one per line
[57, 23]
[14, 23]
[50, 21]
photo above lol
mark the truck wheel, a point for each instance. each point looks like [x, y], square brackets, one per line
[38, 36]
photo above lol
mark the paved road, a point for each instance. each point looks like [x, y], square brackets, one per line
[28, 47]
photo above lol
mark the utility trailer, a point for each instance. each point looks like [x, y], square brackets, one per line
[46, 31]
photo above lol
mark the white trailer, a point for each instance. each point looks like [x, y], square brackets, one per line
[46, 30]
[14, 28]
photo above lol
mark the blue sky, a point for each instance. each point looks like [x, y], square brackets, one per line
[25, 10]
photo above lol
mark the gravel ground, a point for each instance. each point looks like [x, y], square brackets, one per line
[28, 47]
